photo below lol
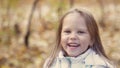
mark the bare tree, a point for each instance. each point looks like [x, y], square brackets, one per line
[102, 7]
[29, 23]
[71, 3]
[59, 10]
[115, 3]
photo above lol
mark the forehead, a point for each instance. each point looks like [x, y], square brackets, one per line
[75, 20]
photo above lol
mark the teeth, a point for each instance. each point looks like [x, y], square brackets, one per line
[73, 45]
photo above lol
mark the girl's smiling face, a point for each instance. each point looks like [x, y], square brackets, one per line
[75, 38]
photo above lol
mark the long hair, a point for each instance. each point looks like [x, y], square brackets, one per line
[92, 29]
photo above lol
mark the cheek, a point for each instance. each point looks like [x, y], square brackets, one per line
[85, 41]
[63, 40]
[64, 37]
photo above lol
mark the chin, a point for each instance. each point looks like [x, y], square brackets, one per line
[72, 55]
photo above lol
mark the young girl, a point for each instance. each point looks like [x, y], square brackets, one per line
[78, 43]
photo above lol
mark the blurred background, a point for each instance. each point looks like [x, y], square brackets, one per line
[28, 29]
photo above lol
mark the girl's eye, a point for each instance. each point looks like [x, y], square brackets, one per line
[81, 32]
[67, 31]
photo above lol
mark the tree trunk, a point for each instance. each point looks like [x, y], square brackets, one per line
[102, 7]
[26, 41]
[71, 3]
[59, 10]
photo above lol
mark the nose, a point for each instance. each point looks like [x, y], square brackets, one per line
[73, 36]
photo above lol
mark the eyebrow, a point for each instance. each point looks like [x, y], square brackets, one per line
[79, 28]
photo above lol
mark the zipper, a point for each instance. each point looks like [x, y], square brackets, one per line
[60, 63]
[69, 65]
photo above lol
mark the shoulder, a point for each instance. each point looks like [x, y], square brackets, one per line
[97, 60]
[46, 63]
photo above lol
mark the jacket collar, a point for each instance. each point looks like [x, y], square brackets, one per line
[75, 59]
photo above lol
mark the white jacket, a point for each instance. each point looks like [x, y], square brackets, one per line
[87, 60]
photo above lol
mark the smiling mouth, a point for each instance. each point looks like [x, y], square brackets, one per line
[73, 45]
